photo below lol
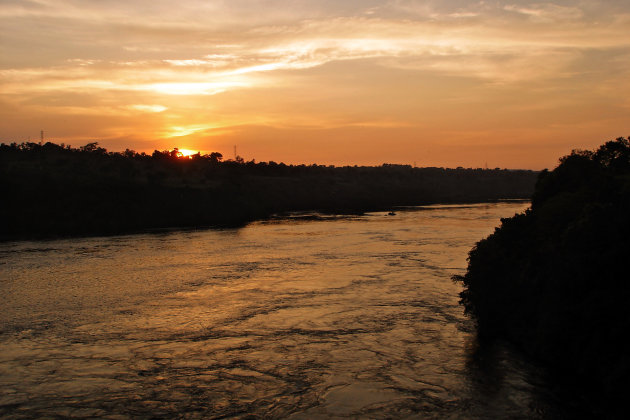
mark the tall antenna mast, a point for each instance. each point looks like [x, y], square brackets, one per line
[235, 152]
[41, 138]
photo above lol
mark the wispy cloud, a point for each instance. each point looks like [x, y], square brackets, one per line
[547, 12]
[268, 63]
[148, 108]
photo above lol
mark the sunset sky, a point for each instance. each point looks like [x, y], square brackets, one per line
[440, 83]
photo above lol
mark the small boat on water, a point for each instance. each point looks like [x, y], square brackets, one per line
[391, 213]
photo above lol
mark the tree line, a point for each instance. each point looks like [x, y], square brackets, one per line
[56, 190]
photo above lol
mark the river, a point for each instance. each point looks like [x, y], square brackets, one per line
[300, 317]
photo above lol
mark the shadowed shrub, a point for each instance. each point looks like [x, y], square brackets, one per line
[555, 278]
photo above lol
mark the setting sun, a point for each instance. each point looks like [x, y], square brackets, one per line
[188, 152]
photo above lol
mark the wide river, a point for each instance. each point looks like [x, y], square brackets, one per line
[303, 317]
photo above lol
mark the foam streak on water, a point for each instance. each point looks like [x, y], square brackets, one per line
[296, 317]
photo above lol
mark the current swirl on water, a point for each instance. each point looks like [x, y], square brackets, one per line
[307, 316]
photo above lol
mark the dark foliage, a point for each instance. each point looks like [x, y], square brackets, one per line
[555, 278]
[52, 190]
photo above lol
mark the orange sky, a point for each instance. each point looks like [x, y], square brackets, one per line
[440, 83]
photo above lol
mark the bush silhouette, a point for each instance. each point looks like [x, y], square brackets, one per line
[554, 279]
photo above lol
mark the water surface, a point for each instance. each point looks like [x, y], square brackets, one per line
[299, 317]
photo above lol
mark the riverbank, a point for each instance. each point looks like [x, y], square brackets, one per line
[55, 190]
[554, 278]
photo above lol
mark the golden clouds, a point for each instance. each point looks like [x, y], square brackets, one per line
[218, 72]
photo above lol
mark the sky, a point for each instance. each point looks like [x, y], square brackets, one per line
[510, 84]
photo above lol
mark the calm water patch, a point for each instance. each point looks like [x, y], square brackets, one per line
[301, 317]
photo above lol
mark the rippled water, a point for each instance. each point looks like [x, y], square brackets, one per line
[299, 317]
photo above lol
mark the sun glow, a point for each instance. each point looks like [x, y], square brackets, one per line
[448, 83]
[188, 152]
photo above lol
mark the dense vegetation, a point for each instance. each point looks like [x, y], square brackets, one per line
[555, 279]
[54, 189]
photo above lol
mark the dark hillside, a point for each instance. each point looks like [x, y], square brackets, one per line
[555, 279]
[52, 190]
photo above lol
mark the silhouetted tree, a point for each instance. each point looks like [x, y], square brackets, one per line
[554, 279]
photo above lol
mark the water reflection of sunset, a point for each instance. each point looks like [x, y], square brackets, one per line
[333, 318]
